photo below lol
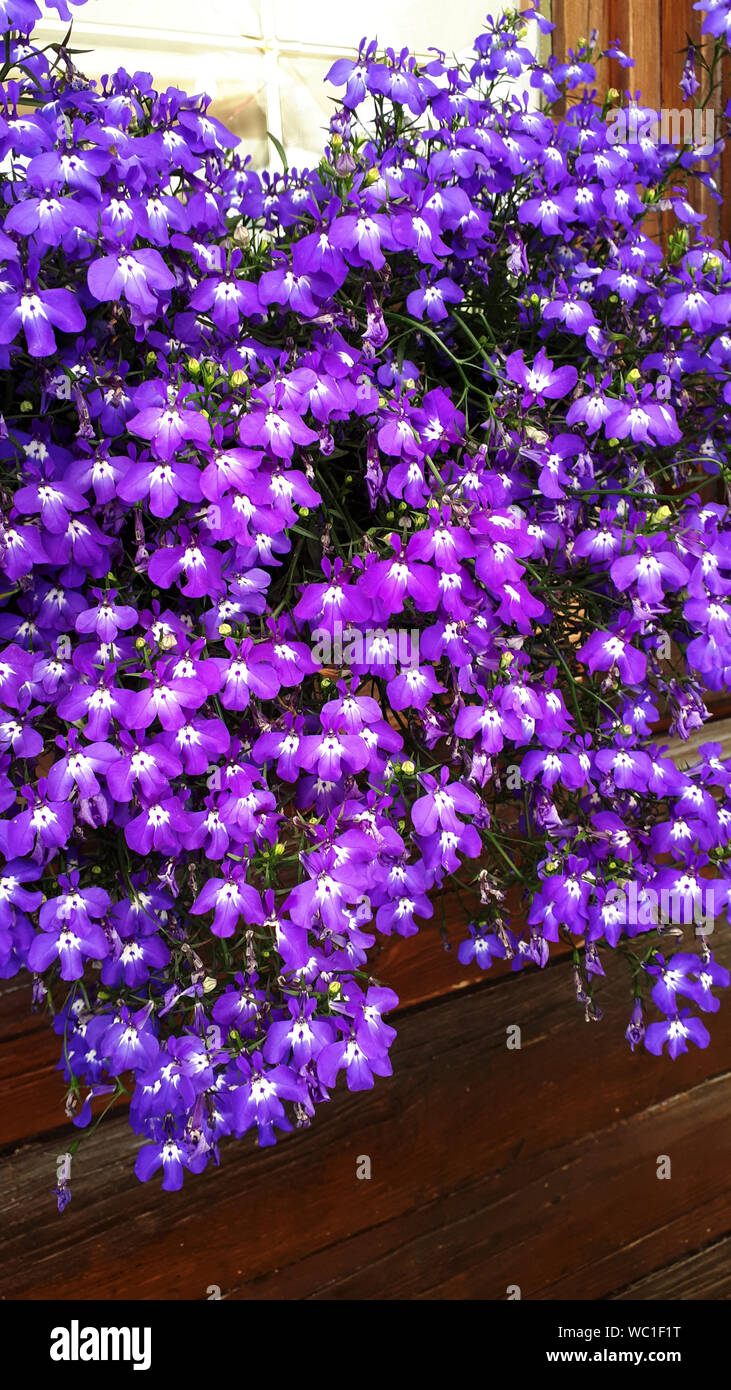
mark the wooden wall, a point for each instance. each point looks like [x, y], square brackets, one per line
[655, 33]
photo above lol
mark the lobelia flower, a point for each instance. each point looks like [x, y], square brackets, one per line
[255, 1097]
[676, 1032]
[301, 1036]
[229, 898]
[540, 380]
[360, 1067]
[68, 931]
[36, 312]
[139, 276]
[307, 604]
[432, 298]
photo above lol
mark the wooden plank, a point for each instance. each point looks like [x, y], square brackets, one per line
[705, 1275]
[538, 1140]
[418, 968]
[655, 34]
[678, 24]
[588, 1217]
[573, 20]
[637, 26]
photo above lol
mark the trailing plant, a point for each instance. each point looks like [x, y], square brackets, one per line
[365, 537]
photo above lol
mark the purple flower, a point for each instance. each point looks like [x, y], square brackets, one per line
[347, 1054]
[230, 899]
[139, 276]
[431, 299]
[677, 1032]
[36, 313]
[540, 381]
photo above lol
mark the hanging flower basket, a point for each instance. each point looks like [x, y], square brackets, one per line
[365, 539]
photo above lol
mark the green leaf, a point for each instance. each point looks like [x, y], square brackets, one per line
[279, 147]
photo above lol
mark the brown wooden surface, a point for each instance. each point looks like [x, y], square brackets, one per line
[655, 33]
[490, 1167]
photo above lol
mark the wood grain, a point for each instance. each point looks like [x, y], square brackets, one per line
[703, 1275]
[489, 1167]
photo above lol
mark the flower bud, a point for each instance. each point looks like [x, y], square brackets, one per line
[333, 989]
[225, 630]
[239, 379]
[408, 768]
[194, 367]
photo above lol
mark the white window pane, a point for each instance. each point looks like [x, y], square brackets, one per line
[306, 110]
[217, 18]
[413, 24]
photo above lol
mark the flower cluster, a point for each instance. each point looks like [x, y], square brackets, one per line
[444, 383]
